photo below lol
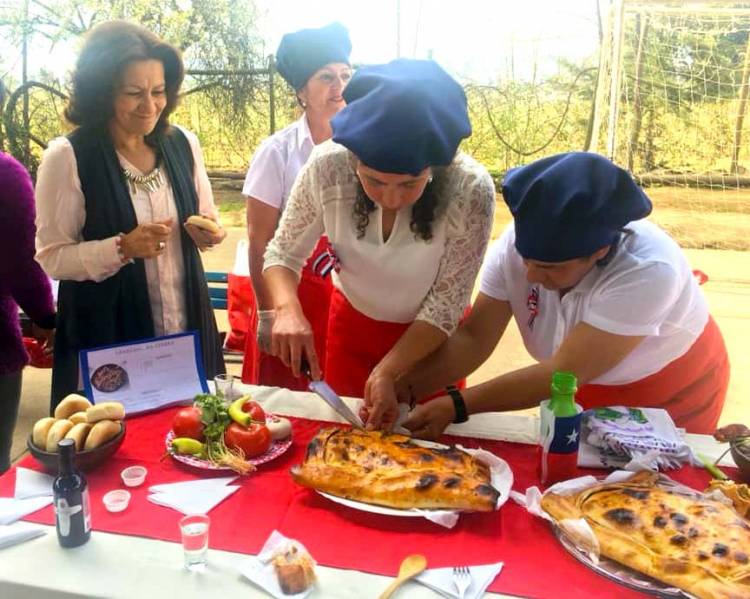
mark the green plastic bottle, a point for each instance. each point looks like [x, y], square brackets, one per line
[562, 400]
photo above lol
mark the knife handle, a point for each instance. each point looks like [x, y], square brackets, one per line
[305, 366]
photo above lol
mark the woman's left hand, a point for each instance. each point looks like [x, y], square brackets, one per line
[204, 239]
[430, 419]
[380, 409]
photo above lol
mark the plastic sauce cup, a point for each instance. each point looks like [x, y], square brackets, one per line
[134, 476]
[117, 500]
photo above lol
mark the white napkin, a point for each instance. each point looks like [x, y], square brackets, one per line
[190, 502]
[18, 533]
[30, 483]
[441, 580]
[259, 569]
[189, 486]
[14, 509]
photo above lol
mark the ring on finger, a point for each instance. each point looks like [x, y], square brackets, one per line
[160, 246]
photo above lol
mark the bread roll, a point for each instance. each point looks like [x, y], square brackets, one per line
[56, 432]
[100, 433]
[78, 433]
[40, 431]
[70, 405]
[294, 571]
[78, 417]
[107, 410]
[203, 223]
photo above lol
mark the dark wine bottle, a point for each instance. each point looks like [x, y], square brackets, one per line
[71, 495]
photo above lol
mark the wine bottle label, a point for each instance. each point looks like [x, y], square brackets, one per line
[86, 511]
[64, 513]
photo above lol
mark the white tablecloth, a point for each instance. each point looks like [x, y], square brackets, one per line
[112, 565]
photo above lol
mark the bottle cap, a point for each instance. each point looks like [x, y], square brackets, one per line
[564, 382]
[65, 443]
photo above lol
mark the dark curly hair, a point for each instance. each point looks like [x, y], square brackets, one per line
[108, 50]
[424, 211]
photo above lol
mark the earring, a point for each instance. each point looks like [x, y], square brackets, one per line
[429, 179]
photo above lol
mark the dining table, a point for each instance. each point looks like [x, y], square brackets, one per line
[357, 554]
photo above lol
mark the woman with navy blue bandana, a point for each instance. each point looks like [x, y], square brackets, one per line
[596, 290]
[315, 64]
[408, 218]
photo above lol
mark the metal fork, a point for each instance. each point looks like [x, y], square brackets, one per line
[462, 580]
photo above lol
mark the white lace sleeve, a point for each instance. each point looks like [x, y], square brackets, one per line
[470, 216]
[301, 223]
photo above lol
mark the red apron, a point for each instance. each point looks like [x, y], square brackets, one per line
[355, 345]
[314, 292]
[691, 388]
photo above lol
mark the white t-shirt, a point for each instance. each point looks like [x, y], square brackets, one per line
[61, 214]
[276, 162]
[404, 278]
[647, 289]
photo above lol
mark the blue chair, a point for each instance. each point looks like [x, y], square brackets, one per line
[217, 289]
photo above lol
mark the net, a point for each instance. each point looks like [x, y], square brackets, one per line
[671, 107]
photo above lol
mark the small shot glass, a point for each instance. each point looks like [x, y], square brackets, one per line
[194, 532]
[224, 384]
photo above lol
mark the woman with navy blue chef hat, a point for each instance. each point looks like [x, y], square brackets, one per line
[315, 63]
[408, 218]
[596, 290]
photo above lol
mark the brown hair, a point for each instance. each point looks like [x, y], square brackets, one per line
[109, 48]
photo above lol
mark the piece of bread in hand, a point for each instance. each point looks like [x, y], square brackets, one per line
[78, 433]
[203, 223]
[41, 430]
[100, 433]
[107, 410]
[70, 405]
[57, 432]
[294, 570]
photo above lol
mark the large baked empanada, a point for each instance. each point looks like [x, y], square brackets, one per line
[390, 470]
[698, 545]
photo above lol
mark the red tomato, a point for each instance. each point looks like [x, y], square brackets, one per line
[187, 423]
[252, 440]
[255, 411]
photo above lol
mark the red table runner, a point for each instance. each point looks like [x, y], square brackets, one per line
[535, 564]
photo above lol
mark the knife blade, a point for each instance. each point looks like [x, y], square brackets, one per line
[327, 394]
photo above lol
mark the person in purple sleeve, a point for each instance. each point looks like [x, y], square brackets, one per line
[22, 283]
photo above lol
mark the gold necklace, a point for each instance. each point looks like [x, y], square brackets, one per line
[149, 183]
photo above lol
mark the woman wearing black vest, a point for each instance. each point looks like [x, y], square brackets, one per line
[112, 201]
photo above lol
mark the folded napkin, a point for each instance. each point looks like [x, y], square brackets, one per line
[201, 484]
[441, 580]
[18, 533]
[260, 569]
[619, 437]
[30, 483]
[14, 509]
[195, 496]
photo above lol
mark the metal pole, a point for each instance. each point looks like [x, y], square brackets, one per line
[398, 28]
[618, 9]
[24, 80]
[271, 94]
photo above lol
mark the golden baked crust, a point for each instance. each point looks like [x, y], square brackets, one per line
[700, 546]
[390, 470]
[737, 492]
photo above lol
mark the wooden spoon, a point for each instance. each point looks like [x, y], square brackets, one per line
[410, 567]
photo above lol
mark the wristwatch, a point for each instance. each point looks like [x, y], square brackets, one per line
[458, 403]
